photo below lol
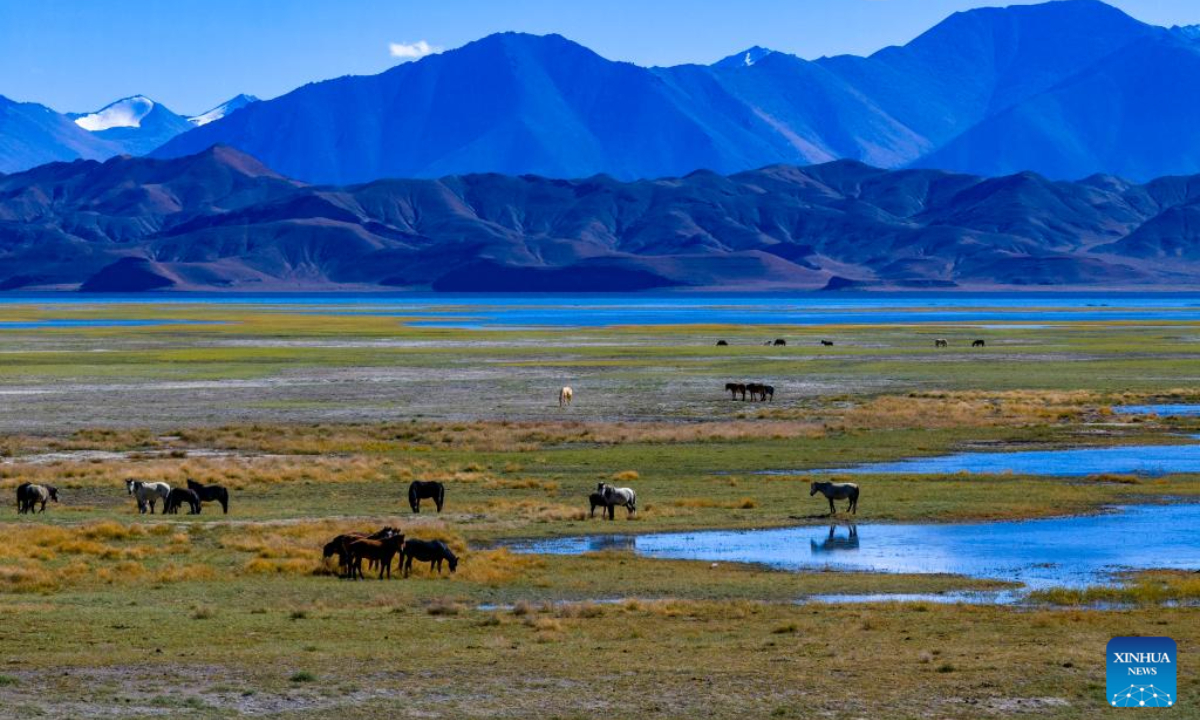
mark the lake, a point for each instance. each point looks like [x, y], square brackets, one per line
[1147, 460]
[995, 310]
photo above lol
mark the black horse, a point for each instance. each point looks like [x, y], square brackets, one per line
[210, 493]
[597, 501]
[827, 343]
[978, 344]
[430, 551]
[767, 392]
[779, 342]
[419, 489]
[722, 343]
[179, 496]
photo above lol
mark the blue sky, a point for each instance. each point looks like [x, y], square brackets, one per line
[77, 55]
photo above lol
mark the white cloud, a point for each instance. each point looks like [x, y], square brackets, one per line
[412, 51]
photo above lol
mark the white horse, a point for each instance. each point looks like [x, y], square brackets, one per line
[614, 496]
[148, 493]
[565, 396]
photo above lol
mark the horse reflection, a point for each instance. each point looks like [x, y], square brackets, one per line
[603, 543]
[835, 542]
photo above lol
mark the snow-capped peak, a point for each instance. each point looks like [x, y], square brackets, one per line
[125, 113]
[222, 110]
[746, 58]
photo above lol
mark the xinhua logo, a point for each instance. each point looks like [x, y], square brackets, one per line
[1141, 672]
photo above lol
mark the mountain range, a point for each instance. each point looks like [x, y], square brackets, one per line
[222, 220]
[1067, 89]
[32, 134]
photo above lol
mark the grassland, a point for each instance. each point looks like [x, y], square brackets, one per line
[317, 422]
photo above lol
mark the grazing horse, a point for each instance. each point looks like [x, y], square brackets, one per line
[978, 343]
[734, 389]
[430, 551]
[338, 546]
[837, 491]
[381, 551]
[597, 501]
[179, 496]
[827, 343]
[418, 489]
[780, 342]
[941, 343]
[565, 396]
[614, 496]
[722, 343]
[147, 493]
[210, 493]
[30, 495]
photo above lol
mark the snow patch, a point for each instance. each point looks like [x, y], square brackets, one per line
[222, 110]
[126, 113]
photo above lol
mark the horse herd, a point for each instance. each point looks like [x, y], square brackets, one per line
[149, 493]
[756, 391]
[380, 548]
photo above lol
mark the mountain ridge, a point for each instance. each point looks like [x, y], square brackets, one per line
[221, 219]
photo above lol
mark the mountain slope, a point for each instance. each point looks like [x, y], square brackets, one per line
[221, 219]
[32, 134]
[1133, 114]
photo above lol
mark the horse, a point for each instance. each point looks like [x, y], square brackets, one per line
[565, 396]
[597, 501]
[978, 344]
[210, 493]
[837, 491]
[827, 343]
[179, 496]
[338, 546]
[147, 493]
[941, 343]
[734, 389]
[755, 390]
[29, 495]
[430, 551]
[779, 342]
[614, 496]
[722, 343]
[768, 392]
[418, 489]
[381, 551]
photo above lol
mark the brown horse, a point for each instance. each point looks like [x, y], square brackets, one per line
[339, 546]
[735, 388]
[381, 551]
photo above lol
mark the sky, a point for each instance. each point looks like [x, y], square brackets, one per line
[190, 55]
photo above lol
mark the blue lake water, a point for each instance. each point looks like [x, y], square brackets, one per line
[1061, 552]
[597, 310]
[1149, 460]
[1160, 410]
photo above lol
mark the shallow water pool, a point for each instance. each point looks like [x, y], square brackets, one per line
[1061, 552]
